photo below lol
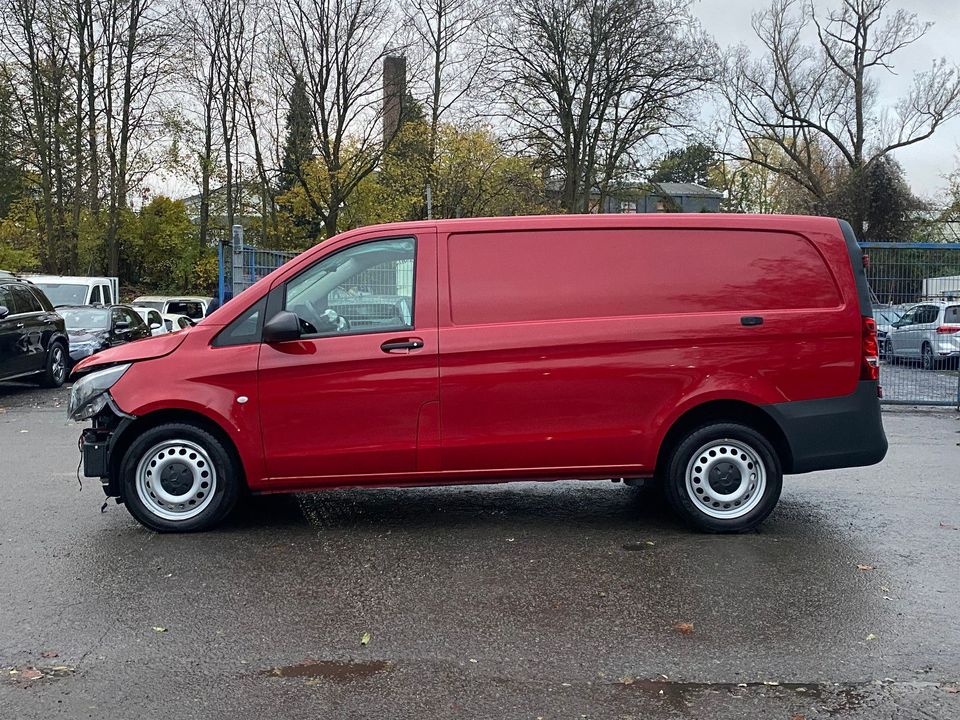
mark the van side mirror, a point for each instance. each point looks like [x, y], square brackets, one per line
[4, 311]
[282, 327]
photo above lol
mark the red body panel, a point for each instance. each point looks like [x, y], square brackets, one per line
[587, 396]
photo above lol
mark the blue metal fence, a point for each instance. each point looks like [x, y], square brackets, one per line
[241, 265]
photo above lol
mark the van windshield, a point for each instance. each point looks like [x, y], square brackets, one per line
[64, 293]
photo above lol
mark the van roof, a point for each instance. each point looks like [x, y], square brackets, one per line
[613, 220]
[68, 278]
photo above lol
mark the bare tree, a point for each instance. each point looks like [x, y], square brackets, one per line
[138, 47]
[338, 46]
[452, 36]
[38, 69]
[804, 109]
[587, 82]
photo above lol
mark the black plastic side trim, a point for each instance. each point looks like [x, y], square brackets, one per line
[835, 432]
[859, 274]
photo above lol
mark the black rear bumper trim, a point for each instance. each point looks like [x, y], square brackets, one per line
[833, 433]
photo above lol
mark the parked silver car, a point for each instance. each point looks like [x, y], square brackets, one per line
[928, 332]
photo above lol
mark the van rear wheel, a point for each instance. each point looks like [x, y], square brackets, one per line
[724, 477]
[178, 477]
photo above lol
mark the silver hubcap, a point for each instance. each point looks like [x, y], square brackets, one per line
[176, 480]
[59, 364]
[726, 479]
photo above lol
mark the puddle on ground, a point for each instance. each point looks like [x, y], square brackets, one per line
[331, 670]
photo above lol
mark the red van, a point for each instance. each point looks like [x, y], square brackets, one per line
[714, 353]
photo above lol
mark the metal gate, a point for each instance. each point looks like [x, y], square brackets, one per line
[240, 265]
[901, 275]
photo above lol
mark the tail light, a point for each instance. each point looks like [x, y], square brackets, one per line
[948, 329]
[870, 366]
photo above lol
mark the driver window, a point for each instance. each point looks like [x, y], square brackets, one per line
[367, 287]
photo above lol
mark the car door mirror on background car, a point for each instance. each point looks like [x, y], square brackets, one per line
[155, 326]
[122, 326]
[4, 311]
[282, 327]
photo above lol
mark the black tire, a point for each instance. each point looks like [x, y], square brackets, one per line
[888, 350]
[226, 473]
[690, 446]
[927, 360]
[57, 367]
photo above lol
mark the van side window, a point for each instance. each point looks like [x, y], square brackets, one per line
[523, 276]
[107, 300]
[366, 287]
[245, 329]
[95, 298]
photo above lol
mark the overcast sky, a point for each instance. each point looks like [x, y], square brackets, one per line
[926, 162]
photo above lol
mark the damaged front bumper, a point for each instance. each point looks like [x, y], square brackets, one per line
[97, 444]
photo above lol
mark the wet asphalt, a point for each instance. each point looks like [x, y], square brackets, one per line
[562, 600]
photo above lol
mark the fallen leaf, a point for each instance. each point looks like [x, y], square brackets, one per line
[158, 629]
[871, 636]
[771, 682]
[49, 654]
[683, 628]
[32, 674]
[650, 542]
[865, 568]
[949, 527]
[365, 639]
[798, 717]
[473, 660]
[627, 680]
[952, 690]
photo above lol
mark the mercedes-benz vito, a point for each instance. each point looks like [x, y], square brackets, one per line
[712, 353]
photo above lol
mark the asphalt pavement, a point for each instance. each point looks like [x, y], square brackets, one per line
[549, 600]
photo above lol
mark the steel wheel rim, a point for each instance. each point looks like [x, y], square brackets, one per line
[725, 479]
[59, 364]
[176, 480]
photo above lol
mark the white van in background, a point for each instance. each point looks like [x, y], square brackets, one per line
[78, 290]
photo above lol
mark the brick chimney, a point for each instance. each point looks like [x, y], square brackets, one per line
[394, 93]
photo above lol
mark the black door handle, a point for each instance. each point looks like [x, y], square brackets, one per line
[751, 320]
[410, 344]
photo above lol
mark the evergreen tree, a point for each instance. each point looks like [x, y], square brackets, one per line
[691, 164]
[298, 146]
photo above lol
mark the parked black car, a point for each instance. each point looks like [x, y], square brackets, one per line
[33, 340]
[93, 328]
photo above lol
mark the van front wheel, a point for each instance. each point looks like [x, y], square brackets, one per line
[724, 477]
[178, 477]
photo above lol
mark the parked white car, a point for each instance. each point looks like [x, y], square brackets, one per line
[194, 307]
[153, 319]
[928, 332]
[177, 322]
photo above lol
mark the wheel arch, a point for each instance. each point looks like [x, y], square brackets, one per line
[129, 430]
[738, 411]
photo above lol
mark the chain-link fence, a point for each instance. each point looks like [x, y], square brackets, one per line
[916, 289]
